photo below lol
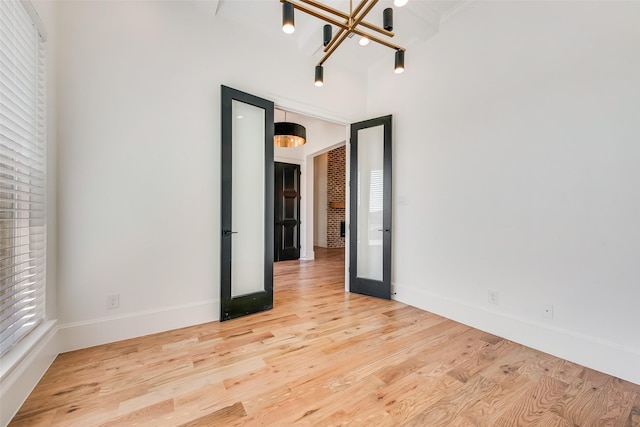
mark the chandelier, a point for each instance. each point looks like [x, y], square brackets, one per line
[348, 24]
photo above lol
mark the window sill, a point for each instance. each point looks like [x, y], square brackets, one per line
[11, 360]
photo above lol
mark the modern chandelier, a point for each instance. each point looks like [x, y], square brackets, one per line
[348, 24]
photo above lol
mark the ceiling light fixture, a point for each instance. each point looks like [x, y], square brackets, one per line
[348, 24]
[399, 68]
[319, 76]
[288, 25]
[287, 134]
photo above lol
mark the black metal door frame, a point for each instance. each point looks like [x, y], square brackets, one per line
[380, 289]
[232, 307]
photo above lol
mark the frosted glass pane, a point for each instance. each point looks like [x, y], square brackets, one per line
[370, 202]
[248, 154]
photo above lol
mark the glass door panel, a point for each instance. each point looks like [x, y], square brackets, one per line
[247, 249]
[370, 202]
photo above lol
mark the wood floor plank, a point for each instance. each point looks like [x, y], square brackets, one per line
[529, 409]
[633, 420]
[324, 357]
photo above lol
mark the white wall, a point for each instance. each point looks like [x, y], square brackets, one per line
[139, 86]
[516, 169]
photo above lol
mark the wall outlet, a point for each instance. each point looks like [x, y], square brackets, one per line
[547, 311]
[494, 296]
[113, 301]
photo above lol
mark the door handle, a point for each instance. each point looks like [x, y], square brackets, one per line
[228, 232]
[386, 230]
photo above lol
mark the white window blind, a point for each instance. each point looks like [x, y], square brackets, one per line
[22, 173]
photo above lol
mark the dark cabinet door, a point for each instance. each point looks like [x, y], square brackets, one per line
[287, 211]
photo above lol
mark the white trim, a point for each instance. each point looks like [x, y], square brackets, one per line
[601, 355]
[23, 367]
[293, 106]
[290, 160]
[74, 336]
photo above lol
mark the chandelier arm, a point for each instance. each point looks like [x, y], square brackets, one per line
[358, 8]
[329, 19]
[359, 19]
[335, 38]
[362, 22]
[351, 25]
[376, 28]
[324, 7]
[378, 40]
[344, 28]
[338, 42]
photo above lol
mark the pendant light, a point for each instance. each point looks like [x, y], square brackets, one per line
[287, 134]
[327, 34]
[399, 68]
[288, 25]
[319, 75]
[387, 19]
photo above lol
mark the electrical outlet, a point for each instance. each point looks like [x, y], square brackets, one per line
[547, 311]
[494, 295]
[113, 301]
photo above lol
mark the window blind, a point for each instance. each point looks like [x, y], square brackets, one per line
[22, 173]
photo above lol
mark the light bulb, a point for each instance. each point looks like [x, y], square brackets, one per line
[288, 28]
[399, 3]
[363, 41]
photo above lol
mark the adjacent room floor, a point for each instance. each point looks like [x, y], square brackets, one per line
[325, 357]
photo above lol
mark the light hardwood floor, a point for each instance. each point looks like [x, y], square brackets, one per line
[325, 357]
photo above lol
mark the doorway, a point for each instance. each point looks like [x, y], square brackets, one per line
[330, 189]
[247, 253]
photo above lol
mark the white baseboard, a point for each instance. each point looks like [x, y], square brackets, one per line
[74, 336]
[592, 352]
[23, 367]
[308, 256]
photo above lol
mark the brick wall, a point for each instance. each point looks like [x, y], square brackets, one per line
[336, 189]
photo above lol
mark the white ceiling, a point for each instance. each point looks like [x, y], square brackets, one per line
[417, 21]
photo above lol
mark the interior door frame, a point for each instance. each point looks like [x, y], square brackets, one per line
[379, 289]
[283, 103]
[232, 307]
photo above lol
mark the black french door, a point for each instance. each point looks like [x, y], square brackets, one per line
[370, 208]
[246, 270]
